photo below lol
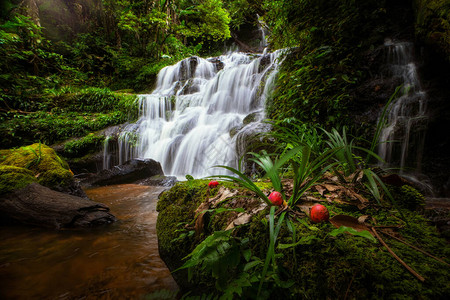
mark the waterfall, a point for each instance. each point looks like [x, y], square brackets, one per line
[403, 137]
[186, 122]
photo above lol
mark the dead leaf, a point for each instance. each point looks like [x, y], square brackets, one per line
[244, 218]
[199, 223]
[331, 188]
[221, 196]
[314, 199]
[320, 189]
[306, 208]
[363, 219]
[348, 221]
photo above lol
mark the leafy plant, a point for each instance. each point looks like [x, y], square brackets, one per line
[273, 235]
[352, 164]
[219, 253]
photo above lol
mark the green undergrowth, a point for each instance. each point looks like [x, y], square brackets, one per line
[318, 266]
[68, 113]
[33, 163]
[83, 146]
[329, 40]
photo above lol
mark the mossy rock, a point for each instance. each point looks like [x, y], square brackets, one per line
[13, 178]
[86, 145]
[320, 267]
[41, 162]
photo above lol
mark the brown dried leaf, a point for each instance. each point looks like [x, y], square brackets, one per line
[314, 199]
[320, 189]
[306, 208]
[244, 218]
[199, 220]
[222, 195]
[363, 219]
[331, 187]
[348, 221]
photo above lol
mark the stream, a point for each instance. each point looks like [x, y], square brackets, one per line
[119, 261]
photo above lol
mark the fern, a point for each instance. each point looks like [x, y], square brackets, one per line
[216, 254]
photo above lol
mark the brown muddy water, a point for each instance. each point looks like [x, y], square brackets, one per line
[119, 261]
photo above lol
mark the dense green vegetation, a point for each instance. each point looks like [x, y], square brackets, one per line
[329, 37]
[55, 85]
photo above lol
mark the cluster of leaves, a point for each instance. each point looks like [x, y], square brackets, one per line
[28, 64]
[83, 146]
[65, 113]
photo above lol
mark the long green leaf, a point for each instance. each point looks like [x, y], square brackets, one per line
[364, 233]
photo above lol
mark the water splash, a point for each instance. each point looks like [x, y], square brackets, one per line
[402, 139]
[186, 121]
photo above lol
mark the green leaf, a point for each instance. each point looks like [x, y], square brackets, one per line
[364, 233]
[306, 240]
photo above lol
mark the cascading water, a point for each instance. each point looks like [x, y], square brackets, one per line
[186, 121]
[403, 137]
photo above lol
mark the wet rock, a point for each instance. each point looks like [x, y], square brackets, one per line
[253, 117]
[235, 130]
[131, 171]
[41, 206]
[159, 180]
[437, 210]
[217, 63]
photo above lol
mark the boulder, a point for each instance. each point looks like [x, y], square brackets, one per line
[36, 163]
[159, 180]
[41, 206]
[129, 172]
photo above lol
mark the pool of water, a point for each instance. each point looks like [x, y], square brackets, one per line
[119, 261]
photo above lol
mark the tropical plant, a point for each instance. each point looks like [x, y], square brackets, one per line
[351, 165]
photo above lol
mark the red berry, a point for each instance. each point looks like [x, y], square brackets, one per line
[319, 213]
[213, 184]
[276, 198]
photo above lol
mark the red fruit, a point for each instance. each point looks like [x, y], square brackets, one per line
[319, 213]
[213, 184]
[276, 198]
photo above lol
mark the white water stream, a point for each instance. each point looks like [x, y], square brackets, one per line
[186, 121]
[402, 139]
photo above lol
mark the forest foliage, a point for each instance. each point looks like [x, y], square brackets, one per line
[64, 79]
[59, 47]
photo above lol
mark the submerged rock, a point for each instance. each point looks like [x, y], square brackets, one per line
[40, 206]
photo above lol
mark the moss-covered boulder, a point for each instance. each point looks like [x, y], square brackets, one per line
[13, 178]
[40, 163]
[310, 261]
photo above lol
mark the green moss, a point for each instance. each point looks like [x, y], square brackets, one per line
[88, 144]
[408, 197]
[13, 178]
[48, 168]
